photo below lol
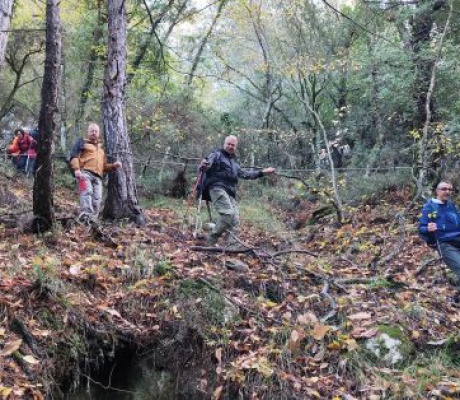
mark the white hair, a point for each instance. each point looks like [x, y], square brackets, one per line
[230, 137]
[93, 125]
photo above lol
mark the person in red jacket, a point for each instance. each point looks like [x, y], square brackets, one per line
[19, 149]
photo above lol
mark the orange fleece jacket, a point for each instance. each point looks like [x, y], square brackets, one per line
[92, 159]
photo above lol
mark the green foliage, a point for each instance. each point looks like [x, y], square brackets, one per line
[256, 209]
[364, 188]
[147, 265]
[203, 308]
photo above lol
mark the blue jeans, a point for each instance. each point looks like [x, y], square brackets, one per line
[450, 253]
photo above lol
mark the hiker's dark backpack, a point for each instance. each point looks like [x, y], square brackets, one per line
[77, 148]
[202, 189]
[34, 133]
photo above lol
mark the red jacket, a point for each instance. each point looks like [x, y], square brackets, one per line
[21, 145]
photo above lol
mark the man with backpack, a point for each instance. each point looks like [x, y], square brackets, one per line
[222, 173]
[439, 226]
[89, 163]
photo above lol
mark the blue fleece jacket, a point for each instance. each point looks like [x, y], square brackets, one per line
[447, 220]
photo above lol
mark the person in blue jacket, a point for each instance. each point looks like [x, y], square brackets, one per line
[439, 226]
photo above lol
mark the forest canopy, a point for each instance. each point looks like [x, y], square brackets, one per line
[273, 72]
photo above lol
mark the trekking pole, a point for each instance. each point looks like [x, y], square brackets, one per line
[432, 217]
[200, 200]
[26, 168]
[198, 218]
[209, 211]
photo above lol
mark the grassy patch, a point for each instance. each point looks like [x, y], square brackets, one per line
[254, 210]
[257, 213]
[203, 309]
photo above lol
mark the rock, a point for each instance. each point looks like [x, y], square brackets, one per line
[390, 345]
[386, 347]
[230, 312]
[236, 265]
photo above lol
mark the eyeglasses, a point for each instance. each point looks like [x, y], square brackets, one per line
[446, 189]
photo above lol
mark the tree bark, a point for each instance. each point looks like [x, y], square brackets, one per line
[93, 57]
[6, 10]
[422, 28]
[204, 41]
[423, 155]
[122, 199]
[43, 185]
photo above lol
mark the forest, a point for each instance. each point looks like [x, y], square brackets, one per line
[333, 294]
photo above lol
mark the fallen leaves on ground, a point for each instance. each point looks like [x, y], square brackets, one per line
[51, 286]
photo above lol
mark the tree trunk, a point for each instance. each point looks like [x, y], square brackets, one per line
[93, 57]
[6, 9]
[423, 156]
[204, 41]
[422, 29]
[43, 184]
[122, 199]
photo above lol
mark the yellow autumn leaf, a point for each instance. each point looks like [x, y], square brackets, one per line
[335, 345]
[352, 344]
[319, 331]
[37, 261]
[5, 391]
[263, 366]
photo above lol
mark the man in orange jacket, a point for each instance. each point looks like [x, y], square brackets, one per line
[89, 163]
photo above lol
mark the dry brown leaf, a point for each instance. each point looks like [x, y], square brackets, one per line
[319, 331]
[307, 319]
[40, 332]
[11, 347]
[359, 333]
[294, 340]
[31, 360]
[218, 393]
[75, 269]
[219, 355]
[359, 316]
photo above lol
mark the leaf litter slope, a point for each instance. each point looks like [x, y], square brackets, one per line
[298, 324]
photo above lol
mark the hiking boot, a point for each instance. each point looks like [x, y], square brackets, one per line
[211, 241]
[85, 218]
[455, 299]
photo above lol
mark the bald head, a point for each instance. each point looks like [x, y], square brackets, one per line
[230, 144]
[93, 132]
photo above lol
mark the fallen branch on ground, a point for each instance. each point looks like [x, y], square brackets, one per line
[280, 253]
[221, 249]
[426, 264]
[236, 304]
[333, 304]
